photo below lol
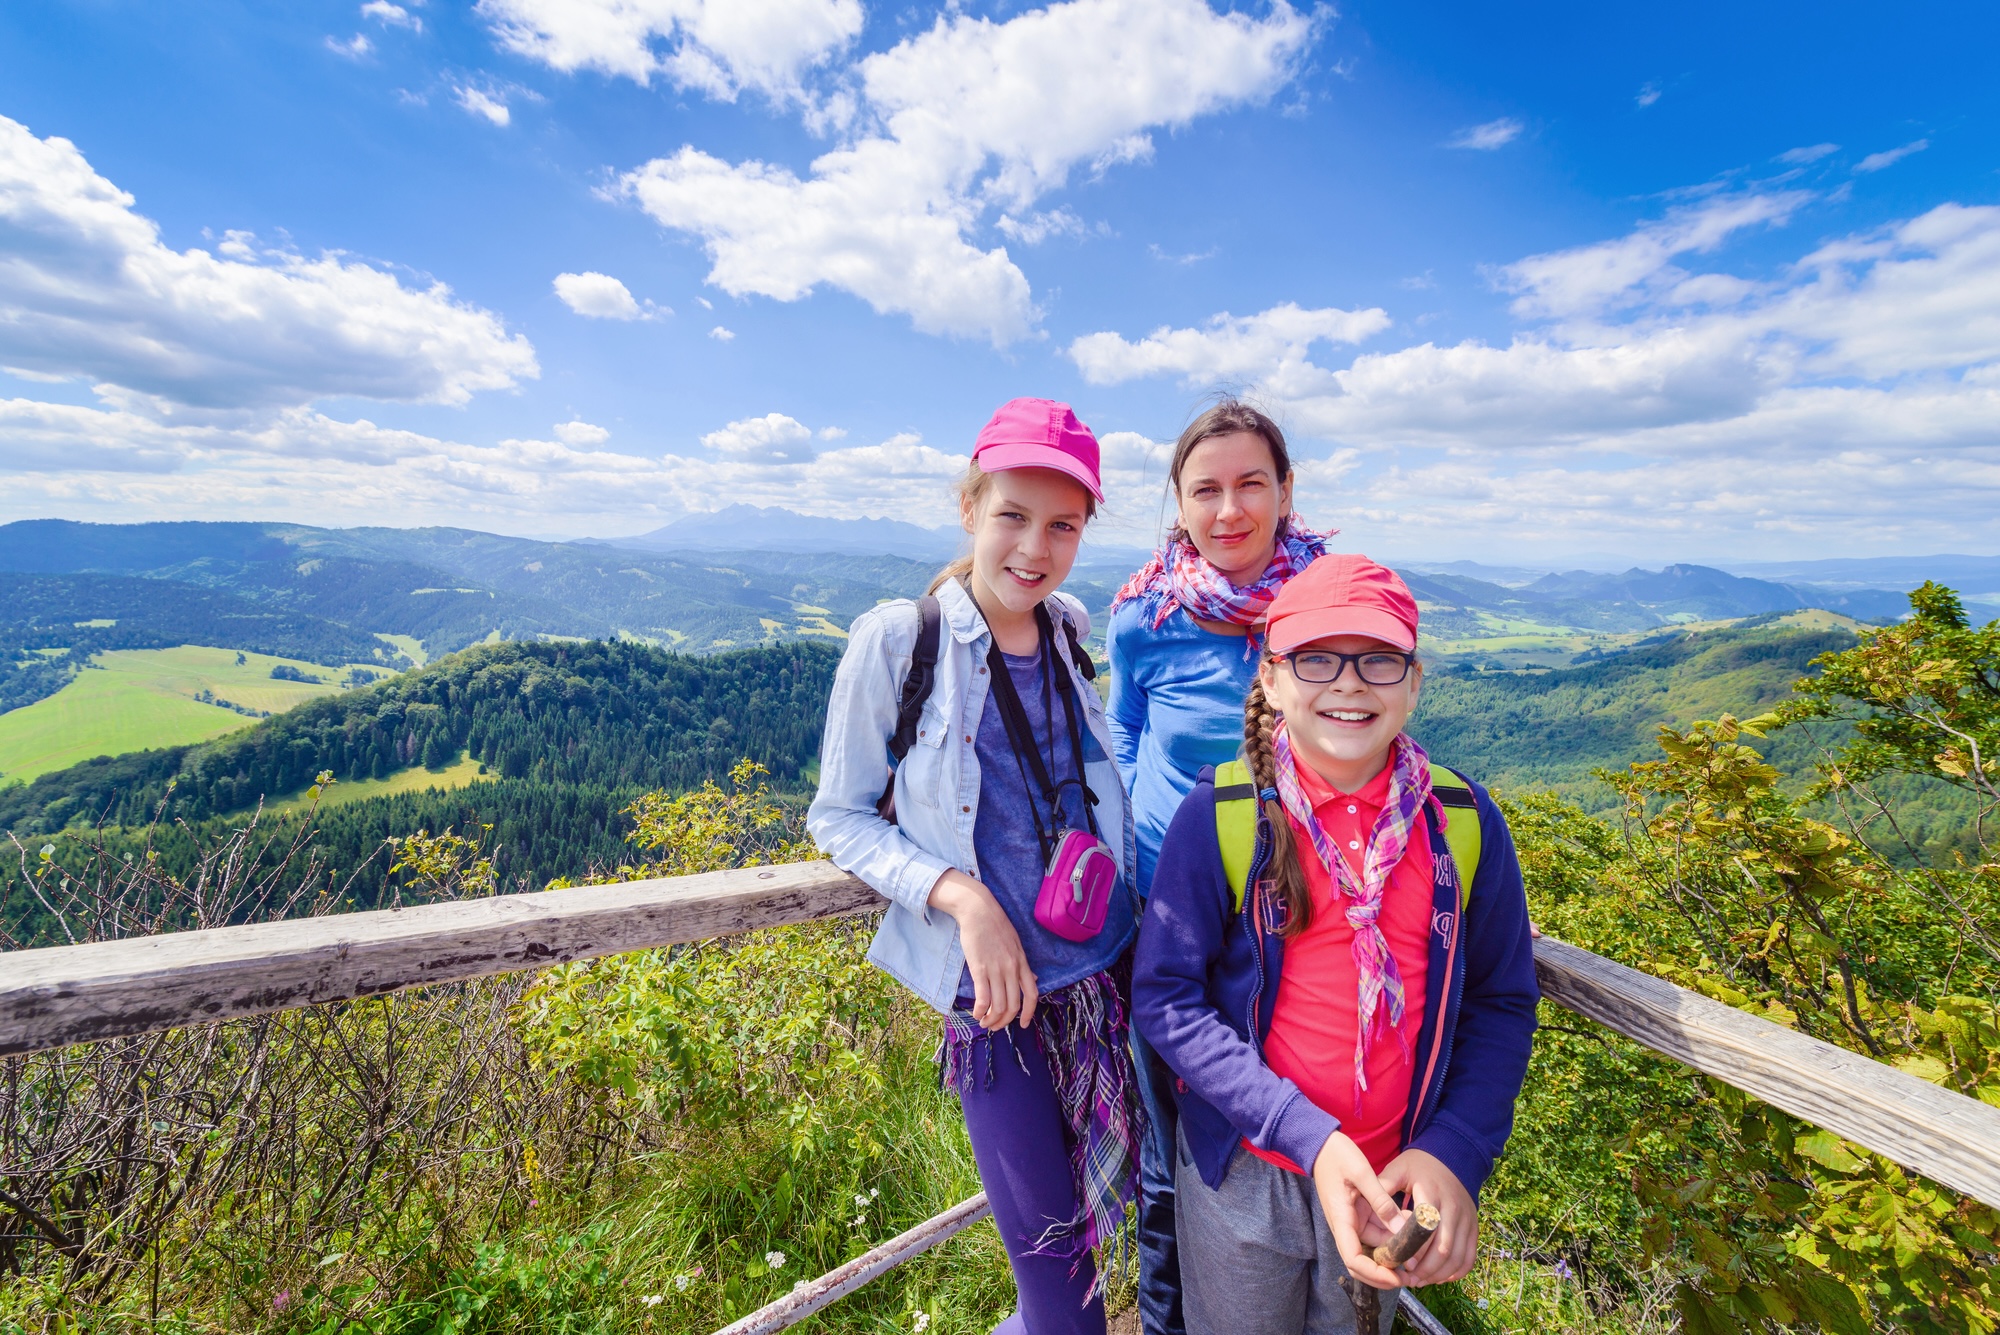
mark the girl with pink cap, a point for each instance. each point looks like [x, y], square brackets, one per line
[1004, 846]
[1336, 963]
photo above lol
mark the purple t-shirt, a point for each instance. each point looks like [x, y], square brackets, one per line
[1011, 859]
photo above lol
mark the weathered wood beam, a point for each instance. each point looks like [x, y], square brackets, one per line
[1943, 1135]
[75, 994]
[808, 1298]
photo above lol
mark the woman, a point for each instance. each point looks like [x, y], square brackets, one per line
[1184, 642]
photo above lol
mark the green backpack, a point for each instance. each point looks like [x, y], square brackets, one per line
[1236, 825]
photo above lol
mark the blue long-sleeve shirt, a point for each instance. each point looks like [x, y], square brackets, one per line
[1176, 709]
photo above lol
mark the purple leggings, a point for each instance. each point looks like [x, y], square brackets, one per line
[1022, 1145]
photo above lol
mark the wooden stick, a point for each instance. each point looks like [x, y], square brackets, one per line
[803, 1301]
[1417, 1227]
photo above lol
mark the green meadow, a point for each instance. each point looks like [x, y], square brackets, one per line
[137, 699]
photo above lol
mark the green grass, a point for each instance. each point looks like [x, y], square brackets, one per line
[409, 644]
[137, 699]
[461, 773]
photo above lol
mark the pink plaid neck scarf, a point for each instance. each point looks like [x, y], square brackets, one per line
[1379, 979]
[1180, 576]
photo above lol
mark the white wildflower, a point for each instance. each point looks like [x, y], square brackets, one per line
[652, 1299]
[861, 1201]
[920, 1321]
[680, 1281]
[873, 1192]
[775, 1260]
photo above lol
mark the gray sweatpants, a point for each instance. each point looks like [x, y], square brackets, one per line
[1257, 1257]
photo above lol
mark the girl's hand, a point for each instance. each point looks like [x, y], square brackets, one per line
[1449, 1253]
[1358, 1207]
[1003, 986]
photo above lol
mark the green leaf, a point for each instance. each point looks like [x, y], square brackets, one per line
[1699, 1316]
[1828, 1151]
[1924, 1068]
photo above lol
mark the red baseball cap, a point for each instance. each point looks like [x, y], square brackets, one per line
[1342, 595]
[1039, 433]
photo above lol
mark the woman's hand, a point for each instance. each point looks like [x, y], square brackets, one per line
[1358, 1207]
[1449, 1253]
[1003, 986]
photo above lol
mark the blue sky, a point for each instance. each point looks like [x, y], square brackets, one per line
[1523, 283]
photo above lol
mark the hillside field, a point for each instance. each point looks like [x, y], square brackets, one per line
[461, 773]
[139, 699]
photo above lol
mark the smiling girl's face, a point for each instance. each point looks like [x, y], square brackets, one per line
[1231, 503]
[1343, 728]
[1025, 529]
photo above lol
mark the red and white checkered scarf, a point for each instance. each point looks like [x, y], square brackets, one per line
[1379, 982]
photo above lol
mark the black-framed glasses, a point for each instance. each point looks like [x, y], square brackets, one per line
[1377, 667]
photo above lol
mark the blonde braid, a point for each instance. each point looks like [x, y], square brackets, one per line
[1287, 877]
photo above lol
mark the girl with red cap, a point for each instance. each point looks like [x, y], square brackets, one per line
[1183, 644]
[1342, 981]
[1004, 847]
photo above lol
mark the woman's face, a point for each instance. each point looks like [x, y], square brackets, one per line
[1231, 503]
[1342, 728]
[1025, 531]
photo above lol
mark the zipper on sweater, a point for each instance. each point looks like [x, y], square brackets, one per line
[1448, 1038]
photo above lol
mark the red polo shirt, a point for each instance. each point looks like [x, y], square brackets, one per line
[1317, 1010]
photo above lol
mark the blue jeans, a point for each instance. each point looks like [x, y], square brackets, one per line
[1159, 1253]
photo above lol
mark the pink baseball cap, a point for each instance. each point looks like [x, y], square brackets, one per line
[1342, 595]
[1039, 433]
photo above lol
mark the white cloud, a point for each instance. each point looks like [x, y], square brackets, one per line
[1039, 227]
[968, 118]
[722, 335]
[772, 438]
[1875, 162]
[1648, 94]
[1609, 274]
[1491, 135]
[88, 290]
[580, 435]
[353, 48]
[716, 46]
[109, 465]
[1227, 348]
[1809, 153]
[602, 297]
[1854, 396]
[832, 433]
[392, 16]
[481, 103]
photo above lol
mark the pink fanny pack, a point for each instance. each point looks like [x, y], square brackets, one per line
[1076, 889]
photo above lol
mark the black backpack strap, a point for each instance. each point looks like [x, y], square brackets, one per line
[1077, 653]
[923, 676]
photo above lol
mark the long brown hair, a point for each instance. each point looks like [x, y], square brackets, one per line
[1227, 417]
[1282, 871]
[973, 486]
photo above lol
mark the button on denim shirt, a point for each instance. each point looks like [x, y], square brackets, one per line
[937, 785]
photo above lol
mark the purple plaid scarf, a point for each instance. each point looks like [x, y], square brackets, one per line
[1378, 979]
[1180, 576]
[1085, 1035]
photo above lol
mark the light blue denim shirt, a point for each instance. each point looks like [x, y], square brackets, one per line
[937, 785]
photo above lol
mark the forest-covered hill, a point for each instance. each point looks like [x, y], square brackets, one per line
[51, 625]
[1549, 730]
[611, 715]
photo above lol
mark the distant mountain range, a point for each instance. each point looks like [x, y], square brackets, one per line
[746, 576]
[772, 529]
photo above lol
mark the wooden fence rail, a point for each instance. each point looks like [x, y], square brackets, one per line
[74, 994]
